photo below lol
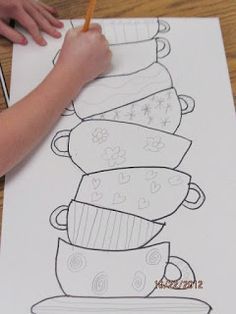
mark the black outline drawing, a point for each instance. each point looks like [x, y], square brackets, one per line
[157, 78]
[138, 290]
[171, 109]
[111, 175]
[157, 147]
[124, 236]
[4, 86]
[146, 256]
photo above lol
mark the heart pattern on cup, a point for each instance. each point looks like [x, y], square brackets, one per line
[97, 196]
[151, 174]
[96, 183]
[143, 203]
[123, 178]
[155, 187]
[118, 198]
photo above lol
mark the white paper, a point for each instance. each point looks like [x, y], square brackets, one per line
[129, 222]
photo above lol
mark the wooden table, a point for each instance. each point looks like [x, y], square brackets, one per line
[225, 9]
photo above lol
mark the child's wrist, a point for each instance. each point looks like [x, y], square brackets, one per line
[69, 79]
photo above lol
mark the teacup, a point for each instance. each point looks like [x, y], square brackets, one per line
[103, 273]
[153, 193]
[162, 111]
[100, 228]
[96, 145]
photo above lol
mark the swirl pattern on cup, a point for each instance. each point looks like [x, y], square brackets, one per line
[100, 284]
[153, 257]
[139, 281]
[76, 262]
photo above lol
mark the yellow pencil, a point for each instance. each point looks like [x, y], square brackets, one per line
[89, 14]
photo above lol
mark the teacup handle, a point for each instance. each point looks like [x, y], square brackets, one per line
[61, 137]
[54, 218]
[164, 50]
[186, 273]
[187, 104]
[164, 27]
[199, 201]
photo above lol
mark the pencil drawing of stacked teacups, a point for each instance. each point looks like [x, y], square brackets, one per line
[126, 146]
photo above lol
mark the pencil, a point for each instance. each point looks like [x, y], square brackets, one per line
[89, 14]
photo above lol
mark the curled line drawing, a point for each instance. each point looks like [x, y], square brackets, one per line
[166, 26]
[171, 261]
[54, 148]
[201, 197]
[53, 216]
[165, 50]
[188, 108]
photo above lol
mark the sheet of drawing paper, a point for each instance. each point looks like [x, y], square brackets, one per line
[129, 203]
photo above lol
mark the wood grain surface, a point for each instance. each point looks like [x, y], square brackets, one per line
[225, 9]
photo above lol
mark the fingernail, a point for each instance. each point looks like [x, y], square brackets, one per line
[61, 24]
[24, 41]
[57, 34]
[43, 42]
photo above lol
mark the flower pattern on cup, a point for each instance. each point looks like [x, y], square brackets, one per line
[114, 155]
[100, 135]
[154, 144]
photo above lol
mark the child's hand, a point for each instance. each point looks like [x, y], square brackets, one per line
[84, 55]
[33, 16]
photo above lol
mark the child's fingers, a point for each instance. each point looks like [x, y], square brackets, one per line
[42, 22]
[53, 21]
[31, 26]
[11, 34]
[48, 15]
[50, 9]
